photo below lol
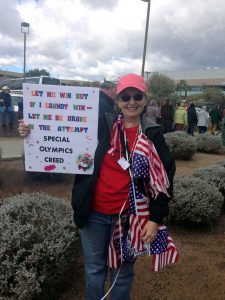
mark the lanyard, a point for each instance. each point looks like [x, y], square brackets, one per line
[128, 152]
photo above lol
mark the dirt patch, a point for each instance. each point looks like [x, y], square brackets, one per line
[200, 273]
[199, 160]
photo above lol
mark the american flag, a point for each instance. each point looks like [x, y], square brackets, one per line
[126, 244]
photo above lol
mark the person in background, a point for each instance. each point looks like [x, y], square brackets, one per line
[192, 119]
[203, 120]
[107, 97]
[215, 118]
[20, 110]
[180, 117]
[152, 112]
[167, 114]
[223, 114]
[120, 207]
[6, 107]
[177, 105]
[223, 126]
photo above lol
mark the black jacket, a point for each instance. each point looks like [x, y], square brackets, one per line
[7, 99]
[167, 112]
[84, 185]
[192, 116]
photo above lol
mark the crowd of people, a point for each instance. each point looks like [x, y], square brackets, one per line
[184, 117]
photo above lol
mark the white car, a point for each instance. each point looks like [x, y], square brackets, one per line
[16, 96]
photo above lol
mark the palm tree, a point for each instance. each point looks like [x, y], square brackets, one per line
[183, 86]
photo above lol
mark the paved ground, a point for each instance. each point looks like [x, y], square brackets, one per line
[10, 142]
[12, 147]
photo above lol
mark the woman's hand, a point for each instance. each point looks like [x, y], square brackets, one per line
[149, 232]
[23, 129]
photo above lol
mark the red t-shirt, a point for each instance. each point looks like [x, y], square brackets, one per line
[112, 185]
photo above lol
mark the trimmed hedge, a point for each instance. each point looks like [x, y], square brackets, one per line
[214, 175]
[208, 143]
[182, 145]
[221, 163]
[39, 247]
[195, 201]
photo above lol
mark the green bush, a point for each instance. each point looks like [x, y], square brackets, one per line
[182, 145]
[214, 175]
[39, 247]
[208, 143]
[195, 201]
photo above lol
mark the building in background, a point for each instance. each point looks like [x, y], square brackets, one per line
[199, 80]
[71, 82]
[7, 75]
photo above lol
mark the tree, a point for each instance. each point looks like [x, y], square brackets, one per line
[197, 99]
[37, 72]
[214, 96]
[182, 86]
[174, 98]
[161, 86]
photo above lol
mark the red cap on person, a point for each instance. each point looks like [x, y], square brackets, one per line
[131, 80]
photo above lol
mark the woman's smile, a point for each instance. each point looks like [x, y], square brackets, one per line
[130, 107]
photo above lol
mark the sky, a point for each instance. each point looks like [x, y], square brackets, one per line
[97, 39]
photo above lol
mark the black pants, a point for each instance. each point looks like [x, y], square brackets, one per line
[202, 129]
[167, 125]
[191, 128]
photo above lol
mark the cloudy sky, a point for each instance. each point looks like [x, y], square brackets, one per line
[96, 39]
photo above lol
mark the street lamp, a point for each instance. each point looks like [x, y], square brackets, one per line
[25, 30]
[146, 37]
[147, 74]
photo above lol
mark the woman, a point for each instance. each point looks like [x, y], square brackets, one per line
[203, 120]
[153, 112]
[180, 117]
[112, 205]
[102, 202]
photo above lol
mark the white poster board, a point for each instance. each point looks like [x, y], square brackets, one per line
[64, 123]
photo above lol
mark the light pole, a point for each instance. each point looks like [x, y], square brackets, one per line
[25, 30]
[146, 37]
[147, 74]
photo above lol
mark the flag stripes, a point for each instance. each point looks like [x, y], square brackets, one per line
[126, 242]
[162, 260]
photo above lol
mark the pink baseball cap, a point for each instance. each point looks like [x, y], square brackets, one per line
[131, 80]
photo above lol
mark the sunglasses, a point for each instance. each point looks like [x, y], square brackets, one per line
[136, 97]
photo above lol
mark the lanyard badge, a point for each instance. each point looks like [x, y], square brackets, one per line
[123, 163]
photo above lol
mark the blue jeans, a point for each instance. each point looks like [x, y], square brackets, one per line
[95, 239]
[202, 129]
[9, 110]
